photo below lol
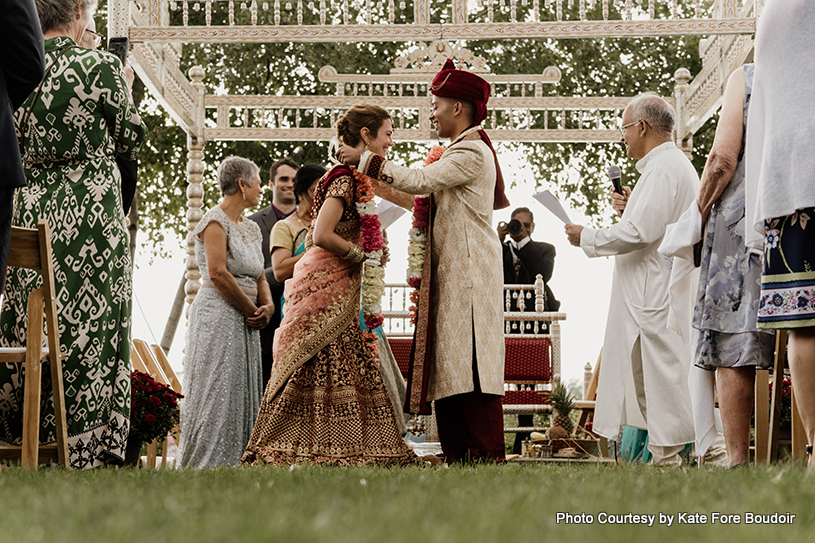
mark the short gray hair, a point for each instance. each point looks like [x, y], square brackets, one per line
[654, 110]
[59, 14]
[231, 170]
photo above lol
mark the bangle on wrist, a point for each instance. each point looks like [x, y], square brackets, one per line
[354, 254]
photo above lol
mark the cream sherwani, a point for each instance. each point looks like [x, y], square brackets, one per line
[639, 351]
[466, 256]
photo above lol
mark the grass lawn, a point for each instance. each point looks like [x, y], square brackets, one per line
[422, 505]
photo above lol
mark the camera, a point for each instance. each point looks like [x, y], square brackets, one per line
[514, 227]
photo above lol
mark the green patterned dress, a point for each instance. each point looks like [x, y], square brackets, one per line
[83, 117]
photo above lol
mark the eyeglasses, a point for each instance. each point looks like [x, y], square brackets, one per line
[623, 128]
[95, 36]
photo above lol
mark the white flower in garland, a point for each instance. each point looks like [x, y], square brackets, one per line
[373, 274]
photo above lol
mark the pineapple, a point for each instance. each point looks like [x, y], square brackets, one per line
[562, 405]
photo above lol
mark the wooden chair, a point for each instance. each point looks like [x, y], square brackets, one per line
[31, 249]
[147, 357]
[149, 361]
[768, 410]
[136, 362]
[175, 384]
[165, 366]
[586, 405]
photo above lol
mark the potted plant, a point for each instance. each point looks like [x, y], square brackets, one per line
[153, 413]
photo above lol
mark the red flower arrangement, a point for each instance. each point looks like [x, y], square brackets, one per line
[786, 403]
[373, 275]
[153, 408]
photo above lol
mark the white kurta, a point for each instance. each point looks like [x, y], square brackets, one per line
[637, 340]
[467, 292]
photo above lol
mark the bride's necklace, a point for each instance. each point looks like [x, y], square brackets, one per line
[300, 220]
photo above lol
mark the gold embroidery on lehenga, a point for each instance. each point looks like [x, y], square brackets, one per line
[326, 401]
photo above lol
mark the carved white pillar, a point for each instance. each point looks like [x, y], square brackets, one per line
[683, 139]
[154, 12]
[421, 12]
[195, 188]
[730, 8]
[118, 18]
[195, 200]
[459, 11]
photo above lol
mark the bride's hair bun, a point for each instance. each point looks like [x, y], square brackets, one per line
[359, 117]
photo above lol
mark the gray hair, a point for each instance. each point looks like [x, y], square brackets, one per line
[654, 110]
[231, 170]
[59, 14]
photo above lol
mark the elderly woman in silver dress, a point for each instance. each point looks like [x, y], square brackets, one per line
[222, 366]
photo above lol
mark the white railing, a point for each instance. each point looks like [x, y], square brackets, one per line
[188, 13]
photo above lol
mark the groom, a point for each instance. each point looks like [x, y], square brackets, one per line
[459, 363]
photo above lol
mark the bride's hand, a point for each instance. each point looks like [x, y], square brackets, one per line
[348, 155]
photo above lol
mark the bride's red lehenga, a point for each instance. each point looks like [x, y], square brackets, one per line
[326, 401]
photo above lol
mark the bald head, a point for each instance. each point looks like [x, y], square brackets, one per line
[656, 112]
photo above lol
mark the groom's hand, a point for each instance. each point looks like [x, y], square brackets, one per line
[348, 155]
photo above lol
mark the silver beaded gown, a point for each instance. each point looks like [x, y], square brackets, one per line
[222, 364]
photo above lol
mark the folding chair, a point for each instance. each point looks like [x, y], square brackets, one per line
[768, 410]
[175, 384]
[31, 249]
[148, 359]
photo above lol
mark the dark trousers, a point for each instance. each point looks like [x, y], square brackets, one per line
[471, 426]
[6, 206]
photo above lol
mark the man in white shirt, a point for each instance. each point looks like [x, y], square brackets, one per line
[639, 351]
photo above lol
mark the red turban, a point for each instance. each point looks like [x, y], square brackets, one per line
[461, 85]
[468, 87]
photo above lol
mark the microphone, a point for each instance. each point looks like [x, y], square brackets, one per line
[615, 175]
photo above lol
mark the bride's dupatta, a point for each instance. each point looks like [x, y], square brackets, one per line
[322, 298]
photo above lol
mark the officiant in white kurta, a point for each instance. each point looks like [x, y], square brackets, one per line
[639, 350]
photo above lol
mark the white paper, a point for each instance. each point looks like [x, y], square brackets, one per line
[388, 213]
[550, 202]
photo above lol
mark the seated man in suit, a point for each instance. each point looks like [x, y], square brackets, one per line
[524, 259]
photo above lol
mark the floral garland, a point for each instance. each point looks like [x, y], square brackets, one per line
[373, 274]
[418, 239]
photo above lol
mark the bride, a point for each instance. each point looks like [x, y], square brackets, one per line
[326, 400]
